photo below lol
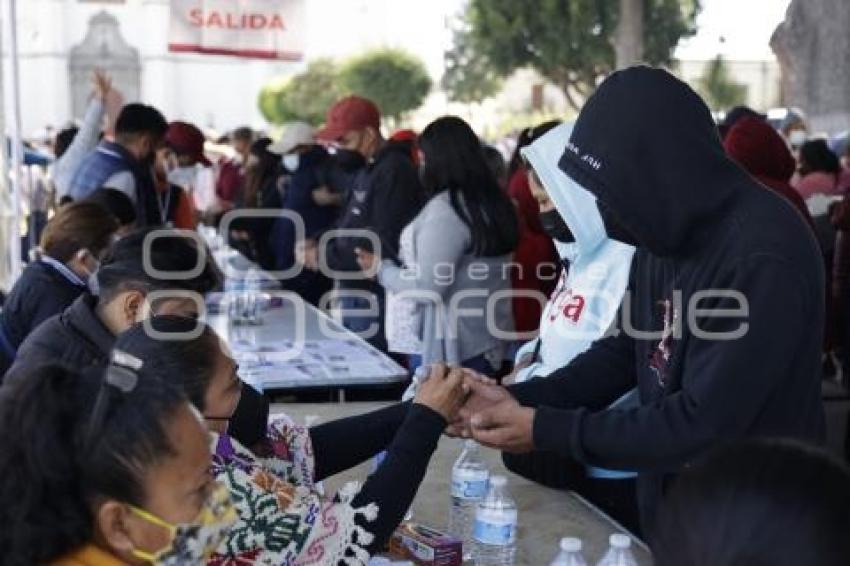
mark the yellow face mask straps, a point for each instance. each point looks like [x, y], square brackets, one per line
[154, 520]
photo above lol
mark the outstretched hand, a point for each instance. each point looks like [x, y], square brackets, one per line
[442, 391]
[506, 426]
[483, 392]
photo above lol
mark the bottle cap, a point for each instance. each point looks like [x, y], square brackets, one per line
[498, 481]
[619, 540]
[571, 544]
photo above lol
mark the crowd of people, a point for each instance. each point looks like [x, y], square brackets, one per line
[639, 306]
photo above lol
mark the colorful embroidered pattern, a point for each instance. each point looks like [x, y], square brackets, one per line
[282, 519]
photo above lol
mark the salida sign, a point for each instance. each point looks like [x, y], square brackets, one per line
[266, 29]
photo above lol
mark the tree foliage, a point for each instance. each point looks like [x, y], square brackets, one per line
[306, 96]
[570, 42]
[393, 79]
[718, 89]
[469, 75]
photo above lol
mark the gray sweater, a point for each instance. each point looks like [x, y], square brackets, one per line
[454, 288]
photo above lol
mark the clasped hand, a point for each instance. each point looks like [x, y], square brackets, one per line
[489, 414]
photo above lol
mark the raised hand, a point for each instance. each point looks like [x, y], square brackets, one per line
[102, 84]
[442, 391]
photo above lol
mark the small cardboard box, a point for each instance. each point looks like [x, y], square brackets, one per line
[425, 546]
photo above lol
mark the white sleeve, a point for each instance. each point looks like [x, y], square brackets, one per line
[123, 181]
[82, 144]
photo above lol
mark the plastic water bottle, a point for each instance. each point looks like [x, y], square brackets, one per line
[469, 486]
[570, 553]
[253, 297]
[495, 526]
[619, 552]
[233, 290]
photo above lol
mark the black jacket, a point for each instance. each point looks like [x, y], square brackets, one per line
[39, 293]
[384, 197]
[646, 146]
[78, 339]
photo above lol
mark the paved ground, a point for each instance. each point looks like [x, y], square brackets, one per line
[545, 515]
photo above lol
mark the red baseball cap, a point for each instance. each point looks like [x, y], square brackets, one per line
[186, 139]
[350, 113]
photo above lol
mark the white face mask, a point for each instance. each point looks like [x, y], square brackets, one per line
[291, 161]
[797, 137]
[182, 176]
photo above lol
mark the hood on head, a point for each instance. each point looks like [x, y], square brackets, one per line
[646, 145]
[575, 204]
[760, 150]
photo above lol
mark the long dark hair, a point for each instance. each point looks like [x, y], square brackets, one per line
[815, 156]
[757, 502]
[259, 174]
[454, 161]
[527, 137]
[187, 360]
[54, 468]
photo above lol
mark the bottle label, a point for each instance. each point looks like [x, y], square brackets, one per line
[500, 534]
[469, 489]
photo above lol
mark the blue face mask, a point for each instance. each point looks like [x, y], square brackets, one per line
[291, 161]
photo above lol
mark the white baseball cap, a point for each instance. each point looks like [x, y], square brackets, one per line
[294, 134]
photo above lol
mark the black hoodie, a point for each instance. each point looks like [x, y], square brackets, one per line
[646, 146]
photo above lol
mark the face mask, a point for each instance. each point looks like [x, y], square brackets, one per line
[182, 176]
[91, 278]
[349, 160]
[797, 137]
[196, 542]
[555, 227]
[93, 285]
[291, 161]
[613, 227]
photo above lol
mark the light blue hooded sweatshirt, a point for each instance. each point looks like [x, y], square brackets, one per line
[585, 303]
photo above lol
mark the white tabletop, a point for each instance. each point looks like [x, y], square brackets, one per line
[297, 346]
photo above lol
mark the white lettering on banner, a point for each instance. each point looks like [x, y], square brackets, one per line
[266, 29]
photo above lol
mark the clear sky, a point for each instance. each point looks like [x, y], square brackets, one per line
[738, 29]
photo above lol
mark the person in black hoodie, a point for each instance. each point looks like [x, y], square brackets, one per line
[384, 196]
[69, 251]
[83, 335]
[708, 237]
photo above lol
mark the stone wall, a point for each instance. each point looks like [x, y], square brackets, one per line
[813, 48]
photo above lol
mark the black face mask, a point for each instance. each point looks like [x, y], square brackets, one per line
[613, 227]
[349, 160]
[555, 227]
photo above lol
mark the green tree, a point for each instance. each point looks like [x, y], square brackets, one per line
[469, 75]
[570, 42]
[718, 88]
[394, 80]
[305, 96]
